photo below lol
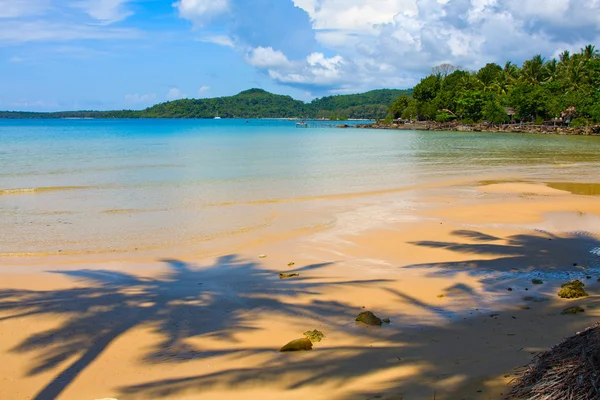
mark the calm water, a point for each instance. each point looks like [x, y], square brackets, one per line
[118, 185]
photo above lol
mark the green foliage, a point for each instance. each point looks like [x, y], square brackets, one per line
[428, 88]
[495, 113]
[538, 91]
[467, 121]
[580, 121]
[398, 106]
[444, 117]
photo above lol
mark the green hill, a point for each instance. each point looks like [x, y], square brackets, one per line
[373, 104]
[252, 103]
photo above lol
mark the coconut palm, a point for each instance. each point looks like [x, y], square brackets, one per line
[590, 52]
[533, 70]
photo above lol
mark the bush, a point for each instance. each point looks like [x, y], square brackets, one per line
[467, 121]
[444, 117]
[539, 120]
[577, 122]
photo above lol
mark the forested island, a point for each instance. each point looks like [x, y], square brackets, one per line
[252, 103]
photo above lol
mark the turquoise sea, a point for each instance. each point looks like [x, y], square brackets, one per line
[79, 186]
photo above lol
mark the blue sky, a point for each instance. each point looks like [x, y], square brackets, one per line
[115, 54]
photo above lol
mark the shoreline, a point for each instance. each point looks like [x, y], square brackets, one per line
[516, 128]
[174, 328]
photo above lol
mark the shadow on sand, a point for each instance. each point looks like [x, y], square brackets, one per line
[181, 303]
[178, 305]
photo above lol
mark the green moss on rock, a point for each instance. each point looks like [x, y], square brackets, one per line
[367, 317]
[297, 345]
[572, 290]
[314, 336]
[573, 310]
[287, 276]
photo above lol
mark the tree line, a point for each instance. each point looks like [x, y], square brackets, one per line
[566, 89]
[252, 103]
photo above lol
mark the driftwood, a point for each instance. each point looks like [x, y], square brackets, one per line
[570, 371]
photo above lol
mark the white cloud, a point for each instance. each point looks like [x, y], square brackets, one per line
[22, 8]
[267, 57]
[201, 11]
[137, 98]
[414, 35]
[105, 11]
[16, 59]
[175, 93]
[203, 89]
[220, 40]
[28, 31]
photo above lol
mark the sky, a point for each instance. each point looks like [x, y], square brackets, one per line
[130, 54]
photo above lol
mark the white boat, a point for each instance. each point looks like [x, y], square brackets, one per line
[217, 116]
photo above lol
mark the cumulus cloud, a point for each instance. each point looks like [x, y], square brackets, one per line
[267, 57]
[175, 93]
[201, 11]
[202, 89]
[105, 11]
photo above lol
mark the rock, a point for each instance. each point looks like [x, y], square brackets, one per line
[287, 276]
[537, 281]
[262, 256]
[297, 345]
[314, 336]
[510, 289]
[291, 264]
[440, 296]
[387, 320]
[572, 290]
[572, 310]
[367, 317]
[535, 299]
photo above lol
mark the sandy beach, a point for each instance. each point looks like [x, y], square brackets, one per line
[452, 273]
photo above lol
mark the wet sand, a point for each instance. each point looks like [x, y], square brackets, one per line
[188, 327]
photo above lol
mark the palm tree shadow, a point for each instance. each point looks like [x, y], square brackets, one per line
[542, 252]
[186, 301]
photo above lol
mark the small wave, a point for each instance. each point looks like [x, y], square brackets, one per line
[41, 189]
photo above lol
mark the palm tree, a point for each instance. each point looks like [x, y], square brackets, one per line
[534, 71]
[590, 52]
[552, 70]
[565, 56]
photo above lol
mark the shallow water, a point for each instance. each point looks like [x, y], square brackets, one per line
[78, 186]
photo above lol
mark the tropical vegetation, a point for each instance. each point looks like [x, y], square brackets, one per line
[566, 89]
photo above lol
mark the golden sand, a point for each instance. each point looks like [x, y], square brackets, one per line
[211, 327]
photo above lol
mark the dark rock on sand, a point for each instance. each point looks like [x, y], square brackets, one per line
[573, 310]
[314, 336]
[537, 281]
[297, 345]
[572, 290]
[387, 320]
[535, 299]
[367, 317]
[287, 276]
